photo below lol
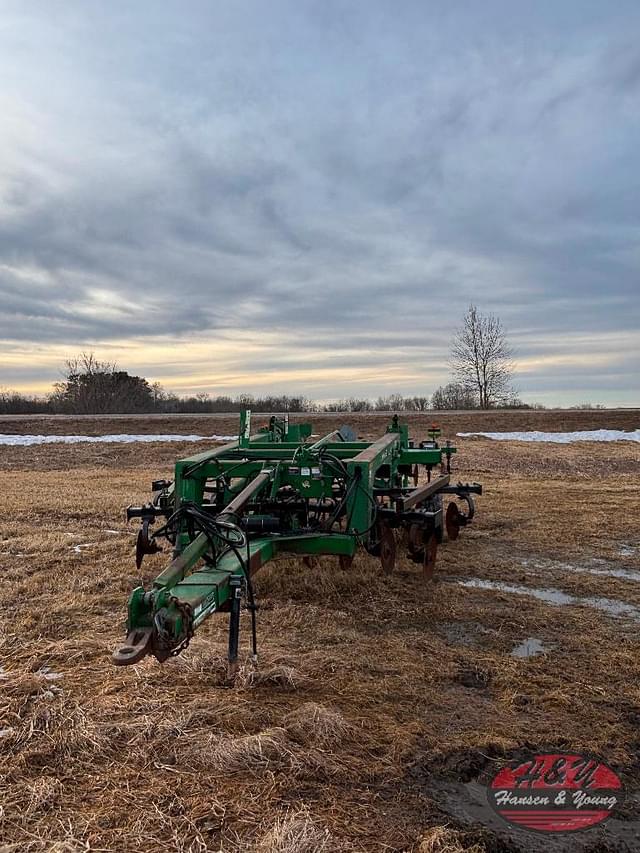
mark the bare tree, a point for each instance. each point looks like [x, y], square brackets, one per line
[420, 404]
[455, 395]
[482, 359]
[98, 387]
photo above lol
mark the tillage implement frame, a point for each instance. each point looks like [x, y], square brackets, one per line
[232, 509]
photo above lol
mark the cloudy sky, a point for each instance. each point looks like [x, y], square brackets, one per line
[304, 196]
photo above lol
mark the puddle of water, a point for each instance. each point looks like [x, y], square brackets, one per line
[627, 574]
[558, 597]
[529, 648]
[551, 596]
[597, 567]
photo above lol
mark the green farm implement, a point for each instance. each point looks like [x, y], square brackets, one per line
[283, 491]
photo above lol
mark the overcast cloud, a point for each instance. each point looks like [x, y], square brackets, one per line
[305, 196]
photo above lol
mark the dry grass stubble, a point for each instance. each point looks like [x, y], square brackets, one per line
[368, 689]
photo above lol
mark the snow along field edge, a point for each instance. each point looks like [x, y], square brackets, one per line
[27, 440]
[559, 437]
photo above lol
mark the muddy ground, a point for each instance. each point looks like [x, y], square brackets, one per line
[381, 704]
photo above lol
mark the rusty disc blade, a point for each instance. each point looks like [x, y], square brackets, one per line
[452, 521]
[345, 561]
[415, 542]
[145, 544]
[387, 549]
[142, 543]
[430, 554]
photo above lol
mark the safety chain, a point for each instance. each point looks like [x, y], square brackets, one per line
[187, 619]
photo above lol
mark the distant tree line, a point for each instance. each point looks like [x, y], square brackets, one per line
[93, 387]
[90, 386]
[125, 394]
[392, 403]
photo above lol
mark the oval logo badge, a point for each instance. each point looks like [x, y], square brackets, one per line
[555, 792]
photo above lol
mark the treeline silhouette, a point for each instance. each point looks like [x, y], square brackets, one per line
[92, 387]
[125, 397]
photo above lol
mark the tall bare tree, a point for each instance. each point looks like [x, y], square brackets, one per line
[482, 358]
[94, 387]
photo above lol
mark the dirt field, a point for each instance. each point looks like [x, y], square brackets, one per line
[367, 424]
[381, 705]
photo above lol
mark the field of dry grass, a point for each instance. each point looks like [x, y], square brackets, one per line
[380, 704]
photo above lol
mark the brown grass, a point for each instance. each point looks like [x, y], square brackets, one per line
[277, 676]
[370, 692]
[440, 839]
[297, 832]
[252, 754]
[312, 723]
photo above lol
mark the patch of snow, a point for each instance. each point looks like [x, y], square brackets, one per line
[78, 548]
[560, 437]
[47, 673]
[28, 440]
